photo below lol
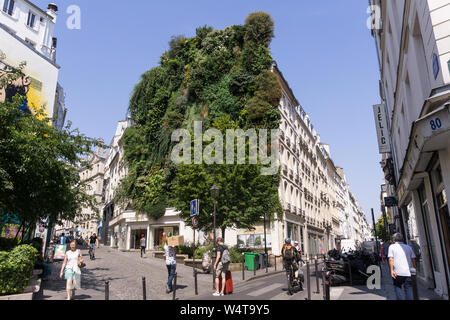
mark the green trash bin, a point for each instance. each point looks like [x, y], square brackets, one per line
[250, 260]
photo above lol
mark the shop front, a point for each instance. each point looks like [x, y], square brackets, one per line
[423, 191]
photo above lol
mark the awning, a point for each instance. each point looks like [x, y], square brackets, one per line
[429, 134]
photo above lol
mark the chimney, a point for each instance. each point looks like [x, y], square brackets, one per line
[52, 10]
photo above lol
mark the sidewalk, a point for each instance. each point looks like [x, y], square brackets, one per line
[386, 292]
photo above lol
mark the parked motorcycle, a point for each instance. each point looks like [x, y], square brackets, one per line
[339, 265]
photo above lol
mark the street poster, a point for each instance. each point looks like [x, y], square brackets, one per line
[60, 252]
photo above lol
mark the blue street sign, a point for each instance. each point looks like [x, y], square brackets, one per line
[195, 207]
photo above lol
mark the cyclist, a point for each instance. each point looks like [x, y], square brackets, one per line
[290, 256]
[92, 242]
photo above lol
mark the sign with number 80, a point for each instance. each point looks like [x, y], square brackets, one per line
[436, 124]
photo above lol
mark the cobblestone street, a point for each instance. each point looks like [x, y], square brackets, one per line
[124, 271]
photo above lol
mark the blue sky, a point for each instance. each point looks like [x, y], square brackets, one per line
[323, 48]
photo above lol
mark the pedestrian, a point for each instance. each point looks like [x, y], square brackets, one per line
[171, 264]
[62, 239]
[221, 265]
[402, 263]
[93, 242]
[71, 270]
[143, 244]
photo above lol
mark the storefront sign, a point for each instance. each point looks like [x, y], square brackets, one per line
[382, 128]
[390, 202]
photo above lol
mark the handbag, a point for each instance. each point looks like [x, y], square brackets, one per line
[81, 263]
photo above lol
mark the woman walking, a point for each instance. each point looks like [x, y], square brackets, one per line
[71, 269]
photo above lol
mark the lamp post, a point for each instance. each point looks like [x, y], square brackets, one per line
[214, 193]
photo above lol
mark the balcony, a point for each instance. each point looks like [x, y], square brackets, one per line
[294, 210]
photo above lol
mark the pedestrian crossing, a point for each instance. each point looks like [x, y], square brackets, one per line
[264, 290]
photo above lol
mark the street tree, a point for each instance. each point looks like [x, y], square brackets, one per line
[39, 166]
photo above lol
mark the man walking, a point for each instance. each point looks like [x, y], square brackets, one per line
[402, 261]
[143, 244]
[221, 265]
[171, 264]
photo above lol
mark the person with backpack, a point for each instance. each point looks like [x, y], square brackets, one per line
[289, 254]
[221, 265]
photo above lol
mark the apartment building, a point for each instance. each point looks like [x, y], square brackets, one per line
[413, 46]
[26, 35]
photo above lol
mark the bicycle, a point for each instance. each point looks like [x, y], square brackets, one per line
[91, 253]
[294, 284]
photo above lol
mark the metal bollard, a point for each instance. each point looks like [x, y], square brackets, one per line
[267, 263]
[275, 262]
[308, 275]
[316, 266]
[254, 266]
[414, 287]
[175, 287]
[326, 284]
[350, 273]
[243, 267]
[144, 289]
[195, 282]
[107, 290]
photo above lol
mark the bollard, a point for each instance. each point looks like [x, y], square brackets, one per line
[316, 266]
[414, 287]
[175, 287]
[195, 282]
[144, 289]
[243, 266]
[254, 266]
[323, 282]
[275, 262]
[326, 288]
[308, 275]
[107, 290]
[267, 262]
[350, 273]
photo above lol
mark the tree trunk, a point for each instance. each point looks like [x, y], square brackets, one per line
[18, 231]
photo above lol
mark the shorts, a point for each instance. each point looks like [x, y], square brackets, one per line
[69, 274]
[221, 268]
[93, 245]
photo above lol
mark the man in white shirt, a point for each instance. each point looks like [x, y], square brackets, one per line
[402, 262]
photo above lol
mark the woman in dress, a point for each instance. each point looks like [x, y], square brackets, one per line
[72, 273]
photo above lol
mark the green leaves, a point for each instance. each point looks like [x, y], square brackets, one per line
[38, 166]
[223, 78]
[16, 269]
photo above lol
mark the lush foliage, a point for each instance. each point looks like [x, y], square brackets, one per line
[382, 232]
[10, 244]
[38, 166]
[16, 269]
[219, 77]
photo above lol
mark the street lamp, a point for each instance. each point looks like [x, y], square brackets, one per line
[214, 193]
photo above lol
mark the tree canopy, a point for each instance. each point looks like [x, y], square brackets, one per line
[219, 77]
[38, 166]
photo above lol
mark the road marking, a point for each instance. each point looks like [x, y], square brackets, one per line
[265, 290]
[281, 296]
[336, 293]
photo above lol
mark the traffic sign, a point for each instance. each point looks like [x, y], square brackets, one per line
[195, 221]
[195, 206]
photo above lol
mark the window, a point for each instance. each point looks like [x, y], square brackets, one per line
[8, 7]
[31, 19]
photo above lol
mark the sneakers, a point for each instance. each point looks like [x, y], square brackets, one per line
[218, 294]
[168, 289]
